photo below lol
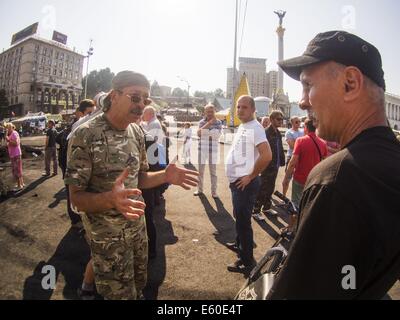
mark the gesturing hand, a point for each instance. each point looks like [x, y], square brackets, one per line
[181, 177]
[131, 209]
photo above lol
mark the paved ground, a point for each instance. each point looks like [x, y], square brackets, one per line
[192, 257]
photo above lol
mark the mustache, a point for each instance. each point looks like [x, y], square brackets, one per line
[137, 111]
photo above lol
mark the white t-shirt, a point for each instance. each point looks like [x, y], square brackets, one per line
[244, 153]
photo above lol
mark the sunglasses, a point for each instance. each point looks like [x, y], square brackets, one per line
[135, 98]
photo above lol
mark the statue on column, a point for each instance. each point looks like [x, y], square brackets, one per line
[281, 14]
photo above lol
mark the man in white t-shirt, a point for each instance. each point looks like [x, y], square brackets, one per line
[249, 155]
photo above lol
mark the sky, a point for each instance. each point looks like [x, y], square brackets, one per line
[170, 40]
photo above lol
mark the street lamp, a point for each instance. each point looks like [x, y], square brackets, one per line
[188, 97]
[89, 54]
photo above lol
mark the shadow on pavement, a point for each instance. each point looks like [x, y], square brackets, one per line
[59, 196]
[221, 220]
[21, 193]
[70, 259]
[157, 267]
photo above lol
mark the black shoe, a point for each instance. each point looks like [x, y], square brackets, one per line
[239, 267]
[233, 246]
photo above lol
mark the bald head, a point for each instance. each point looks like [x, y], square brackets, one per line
[246, 109]
[149, 113]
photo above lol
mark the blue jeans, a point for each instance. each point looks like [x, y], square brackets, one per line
[243, 204]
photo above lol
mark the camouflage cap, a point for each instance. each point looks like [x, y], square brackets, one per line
[129, 78]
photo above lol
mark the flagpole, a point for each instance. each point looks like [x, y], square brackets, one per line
[232, 117]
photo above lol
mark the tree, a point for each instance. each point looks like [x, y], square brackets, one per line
[155, 90]
[178, 92]
[98, 81]
[219, 93]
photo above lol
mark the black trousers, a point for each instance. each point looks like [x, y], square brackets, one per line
[149, 197]
[264, 197]
[74, 217]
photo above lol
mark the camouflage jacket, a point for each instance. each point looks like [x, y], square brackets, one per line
[97, 155]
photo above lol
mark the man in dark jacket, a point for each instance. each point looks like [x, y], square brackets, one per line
[268, 176]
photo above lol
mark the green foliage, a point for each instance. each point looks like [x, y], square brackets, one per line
[98, 81]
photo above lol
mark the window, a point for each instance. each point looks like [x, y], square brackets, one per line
[54, 72]
[16, 100]
[57, 55]
[62, 56]
[60, 73]
[44, 51]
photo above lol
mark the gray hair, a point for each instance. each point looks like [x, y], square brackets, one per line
[150, 109]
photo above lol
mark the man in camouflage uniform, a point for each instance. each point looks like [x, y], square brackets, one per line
[107, 164]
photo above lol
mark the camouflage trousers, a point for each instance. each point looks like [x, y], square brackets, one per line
[120, 262]
[264, 197]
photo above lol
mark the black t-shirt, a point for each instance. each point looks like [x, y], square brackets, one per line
[350, 216]
[52, 134]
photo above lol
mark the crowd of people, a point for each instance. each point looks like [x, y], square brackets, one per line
[116, 167]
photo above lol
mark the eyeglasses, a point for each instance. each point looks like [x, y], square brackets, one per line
[135, 98]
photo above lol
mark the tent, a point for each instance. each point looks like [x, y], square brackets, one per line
[223, 114]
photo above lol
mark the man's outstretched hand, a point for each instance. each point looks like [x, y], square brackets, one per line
[181, 177]
[131, 209]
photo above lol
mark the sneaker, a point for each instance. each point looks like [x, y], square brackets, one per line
[258, 217]
[270, 212]
[45, 174]
[86, 295]
[215, 196]
[232, 246]
[198, 193]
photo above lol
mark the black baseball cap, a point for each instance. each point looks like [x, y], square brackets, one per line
[342, 47]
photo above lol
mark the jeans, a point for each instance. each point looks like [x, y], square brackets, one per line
[243, 203]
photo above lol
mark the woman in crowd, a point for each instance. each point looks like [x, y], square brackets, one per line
[14, 151]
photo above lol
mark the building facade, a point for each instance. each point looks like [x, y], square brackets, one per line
[41, 75]
[261, 83]
[392, 105]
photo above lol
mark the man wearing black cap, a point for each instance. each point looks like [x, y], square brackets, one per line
[107, 164]
[348, 243]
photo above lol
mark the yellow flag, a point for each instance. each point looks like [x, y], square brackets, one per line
[232, 119]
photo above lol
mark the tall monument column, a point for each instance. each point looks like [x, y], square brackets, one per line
[281, 33]
[280, 99]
